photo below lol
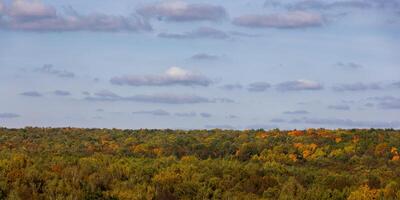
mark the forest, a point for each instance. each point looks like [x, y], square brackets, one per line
[111, 164]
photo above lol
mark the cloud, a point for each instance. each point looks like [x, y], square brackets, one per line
[180, 11]
[349, 65]
[235, 86]
[387, 102]
[396, 84]
[258, 87]
[299, 85]
[346, 123]
[325, 5]
[186, 114]
[277, 120]
[62, 93]
[155, 98]
[200, 33]
[369, 105]
[26, 15]
[295, 19]
[27, 10]
[339, 107]
[49, 69]
[353, 87]
[173, 76]
[1, 8]
[220, 126]
[232, 117]
[262, 126]
[205, 115]
[204, 56]
[8, 115]
[31, 94]
[242, 34]
[158, 112]
[296, 112]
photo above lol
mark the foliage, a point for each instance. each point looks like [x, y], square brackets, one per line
[73, 163]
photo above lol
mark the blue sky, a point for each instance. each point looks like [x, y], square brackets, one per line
[200, 64]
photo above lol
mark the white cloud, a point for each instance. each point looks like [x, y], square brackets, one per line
[172, 76]
[28, 10]
[181, 11]
[299, 85]
[33, 15]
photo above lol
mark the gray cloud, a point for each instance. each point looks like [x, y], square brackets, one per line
[173, 76]
[158, 112]
[61, 93]
[296, 112]
[235, 86]
[8, 115]
[299, 85]
[205, 115]
[186, 114]
[353, 87]
[204, 56]
[349, 65]
[221, 126]
[369, 105]
[387, 102]
[324, 5]
[296, 19]
[277, 120]
[202, 32]
[232, 117]
[223, 100]
[1, 8]
[180, 11]
[31, 94]
[26, 15]
[345, 4]
[258, 87]
[346, 123]
[49, 69]
[339, 107]
[155, 98]
[262, 126]
[242, 34]
[396, 84]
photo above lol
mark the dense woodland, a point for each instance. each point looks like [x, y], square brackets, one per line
[72, 163]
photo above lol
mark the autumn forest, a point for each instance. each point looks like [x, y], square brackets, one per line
[72, 163]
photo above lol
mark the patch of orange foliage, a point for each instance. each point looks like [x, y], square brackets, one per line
[262, 135]
[296, 133]
[293, 157]
[313, 146]
[396, 158]
[298, 145]
[394, 150]
[306, 153]
[338, 139]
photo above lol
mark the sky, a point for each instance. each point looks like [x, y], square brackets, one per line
[203, 64]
